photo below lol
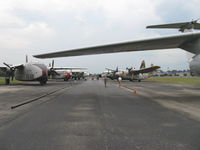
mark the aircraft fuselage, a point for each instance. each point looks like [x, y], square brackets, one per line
[32, 72]
[195, 65]
[62, 74]
[130, 77]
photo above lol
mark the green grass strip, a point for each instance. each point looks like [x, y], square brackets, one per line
[184, 80]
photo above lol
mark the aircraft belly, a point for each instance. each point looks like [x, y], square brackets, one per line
[140, 76]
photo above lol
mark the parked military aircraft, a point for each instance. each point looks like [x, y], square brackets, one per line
[66, 72]
[25, 72]
[133, 74]
[187, 41]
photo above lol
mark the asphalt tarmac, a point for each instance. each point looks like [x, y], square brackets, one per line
[86, 115]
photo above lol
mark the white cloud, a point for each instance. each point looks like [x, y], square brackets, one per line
[64, 24]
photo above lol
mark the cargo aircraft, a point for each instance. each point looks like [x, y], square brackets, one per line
[26, 72]
[66, 73]
[132, 74]
[189, 41]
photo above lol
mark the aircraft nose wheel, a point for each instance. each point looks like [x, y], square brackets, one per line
[7, 81]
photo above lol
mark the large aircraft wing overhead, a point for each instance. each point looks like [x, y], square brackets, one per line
[176, 41]
[145, 70]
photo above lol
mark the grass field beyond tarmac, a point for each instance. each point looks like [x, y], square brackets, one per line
[2, 80]
[184, 80]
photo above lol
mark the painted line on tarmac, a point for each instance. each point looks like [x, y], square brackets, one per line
[134, 91]
[37, 98]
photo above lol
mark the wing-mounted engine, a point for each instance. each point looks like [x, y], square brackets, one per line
[195, 66]
[9, 71]
[182, 26]
[51, 70]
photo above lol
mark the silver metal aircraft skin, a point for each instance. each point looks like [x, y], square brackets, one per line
[186, 41]
[25, 72]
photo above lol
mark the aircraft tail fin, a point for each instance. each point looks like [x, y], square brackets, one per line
[182, 26]
[142, 66]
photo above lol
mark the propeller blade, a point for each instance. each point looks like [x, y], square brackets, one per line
[55, 72]
[52, 66]
[26, 58]
[7, 65]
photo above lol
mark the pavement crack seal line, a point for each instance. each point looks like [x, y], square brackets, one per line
[37, 98]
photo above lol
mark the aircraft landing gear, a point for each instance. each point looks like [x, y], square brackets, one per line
[43, 82]
[65, 79]
[7, 81]
[139, 80]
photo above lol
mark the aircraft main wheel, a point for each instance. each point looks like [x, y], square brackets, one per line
[139, 80]
[43, 82]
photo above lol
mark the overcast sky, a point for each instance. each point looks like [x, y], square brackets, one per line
[41, 26]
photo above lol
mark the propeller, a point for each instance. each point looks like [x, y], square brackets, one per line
[26, 58]
[117, 69]
[114, 72]
[51, 70]
[190, 25]
[11, 71]
[129, 69]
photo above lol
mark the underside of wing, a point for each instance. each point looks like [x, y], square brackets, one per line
[176, 25]
[20, 66]
[146, 70]
[69, 68]
[171, 25]
[176, 41]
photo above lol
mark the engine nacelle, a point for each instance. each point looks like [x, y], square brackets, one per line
[195, 66]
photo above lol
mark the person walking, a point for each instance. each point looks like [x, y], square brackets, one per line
[105, 81]
[119, 81]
